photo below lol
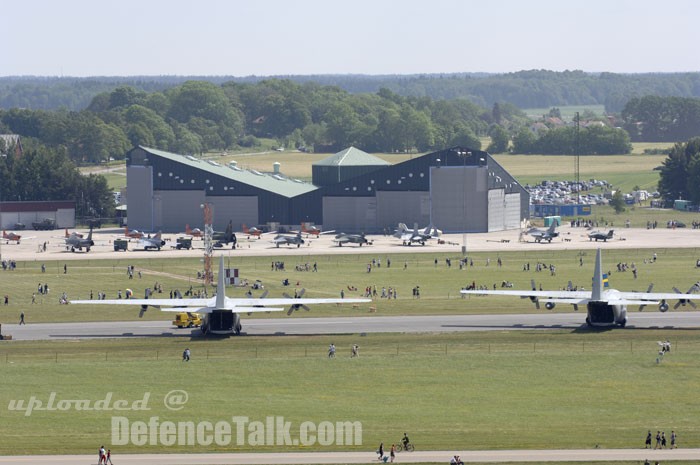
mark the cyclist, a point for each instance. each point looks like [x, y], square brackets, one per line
[405, 441]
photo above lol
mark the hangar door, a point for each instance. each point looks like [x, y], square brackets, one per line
[459, 198]
[512, 211]
[394, 207]
[350, 214]
[238, 210]
[497, 209]
[174, 209]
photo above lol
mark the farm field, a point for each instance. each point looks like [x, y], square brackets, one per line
[476, 391]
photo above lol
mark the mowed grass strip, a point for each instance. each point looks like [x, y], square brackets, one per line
[439, 284]
[504, 390]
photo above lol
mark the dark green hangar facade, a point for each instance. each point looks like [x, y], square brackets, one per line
[457, 190]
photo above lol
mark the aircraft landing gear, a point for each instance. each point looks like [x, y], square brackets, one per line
[588, 321]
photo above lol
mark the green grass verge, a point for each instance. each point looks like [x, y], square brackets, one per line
[489, 390]
[439, 284]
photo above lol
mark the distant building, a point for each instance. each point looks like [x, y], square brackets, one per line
[10, 144]
[456, 190]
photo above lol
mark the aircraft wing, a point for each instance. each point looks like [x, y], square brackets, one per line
[564, 295]
[151, 302]
[646, 296]
[236, 304]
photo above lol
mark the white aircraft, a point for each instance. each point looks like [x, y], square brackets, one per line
[148, 242]
[221, 313]
[606, 307]
[544, 234]
[409, 236]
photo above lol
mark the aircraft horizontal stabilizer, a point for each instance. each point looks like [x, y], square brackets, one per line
[210, 309]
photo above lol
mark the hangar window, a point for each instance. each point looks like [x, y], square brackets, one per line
[388, 181]
[354, 188]
[371, 181]
[421, 175]
[207, 181]
[410, 175]
[170, 174]
[398, 182]
[191, 181]
[225, 188]
[160, 175]
[211, 188]
[182, 181]
[369, 188]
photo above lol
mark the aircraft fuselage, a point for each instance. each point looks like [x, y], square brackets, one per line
[601, 313]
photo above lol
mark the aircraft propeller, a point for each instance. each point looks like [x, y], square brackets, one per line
[262, 296]
[651, 286]
[685, 301]
[533, 298]
[294, 307]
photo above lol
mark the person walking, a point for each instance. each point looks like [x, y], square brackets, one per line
[186, 355]
[673, 440]
[21, 318]
[380, 452]
[647, 442]
[392, 452]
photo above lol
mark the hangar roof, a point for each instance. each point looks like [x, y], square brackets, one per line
[352, 156]
[277, 183]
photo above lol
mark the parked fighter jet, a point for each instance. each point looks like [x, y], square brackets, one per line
[74, 242]
[409, 236]
[343, 238]
[544, 234]
[601, 235]
[288, 239]
[148, 242]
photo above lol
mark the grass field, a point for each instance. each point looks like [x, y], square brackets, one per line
[439, 284]
[504, 390]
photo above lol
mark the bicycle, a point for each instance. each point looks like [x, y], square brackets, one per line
[407, 447]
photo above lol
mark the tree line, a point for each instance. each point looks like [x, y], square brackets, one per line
[523, 89]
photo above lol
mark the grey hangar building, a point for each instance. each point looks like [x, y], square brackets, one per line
[457, 190]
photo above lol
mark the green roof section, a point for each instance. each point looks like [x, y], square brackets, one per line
[352, 157]
[277, 183]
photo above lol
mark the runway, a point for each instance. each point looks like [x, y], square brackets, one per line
[500, 456]
[349, 325]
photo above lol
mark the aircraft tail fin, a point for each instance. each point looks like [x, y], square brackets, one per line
[610, 233]
[188, 230]
[221, 286]
[89, 237]
[597, 287]
[552, 227]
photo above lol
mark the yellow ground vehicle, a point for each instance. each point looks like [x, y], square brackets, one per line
[187, 320]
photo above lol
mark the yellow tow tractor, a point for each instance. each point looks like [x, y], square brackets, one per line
[187, 320]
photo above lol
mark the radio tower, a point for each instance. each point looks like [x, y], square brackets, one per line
[208, 244]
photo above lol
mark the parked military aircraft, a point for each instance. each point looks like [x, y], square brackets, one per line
[148, 242]
[134, 234]
[226, 237]
[544, 234]
[282, 239]
[601, 235]
[606, 307]
[12, 237]
[409, 236]
[74, 233]
[252, 231]
[196, 232]
[74, 242]
[343, 238]
[313, 230]
[221, 313]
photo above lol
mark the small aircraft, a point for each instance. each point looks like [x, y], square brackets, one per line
[288, 240]
[196, 232]
[409, 236]
[606, 307]
[148, 242]
[74, 233]
[544, 234]
[12, 237]
[74, 242]
[252, 231]
[601, 235]
[313, 230]
[226, 237]
[221, 313]
[343, 238]
[134, 234]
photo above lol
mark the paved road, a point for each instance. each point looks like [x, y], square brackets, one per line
[348, 325]
[514, 456]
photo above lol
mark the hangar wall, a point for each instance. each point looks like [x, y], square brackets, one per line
[238, 210]
[139, 180]
[459, 198]
[174, 209]
[395, 207]
[350, 214]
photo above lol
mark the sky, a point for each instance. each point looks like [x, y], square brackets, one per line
[285, 37]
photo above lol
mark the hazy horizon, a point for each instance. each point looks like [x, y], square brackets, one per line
[80, 38]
